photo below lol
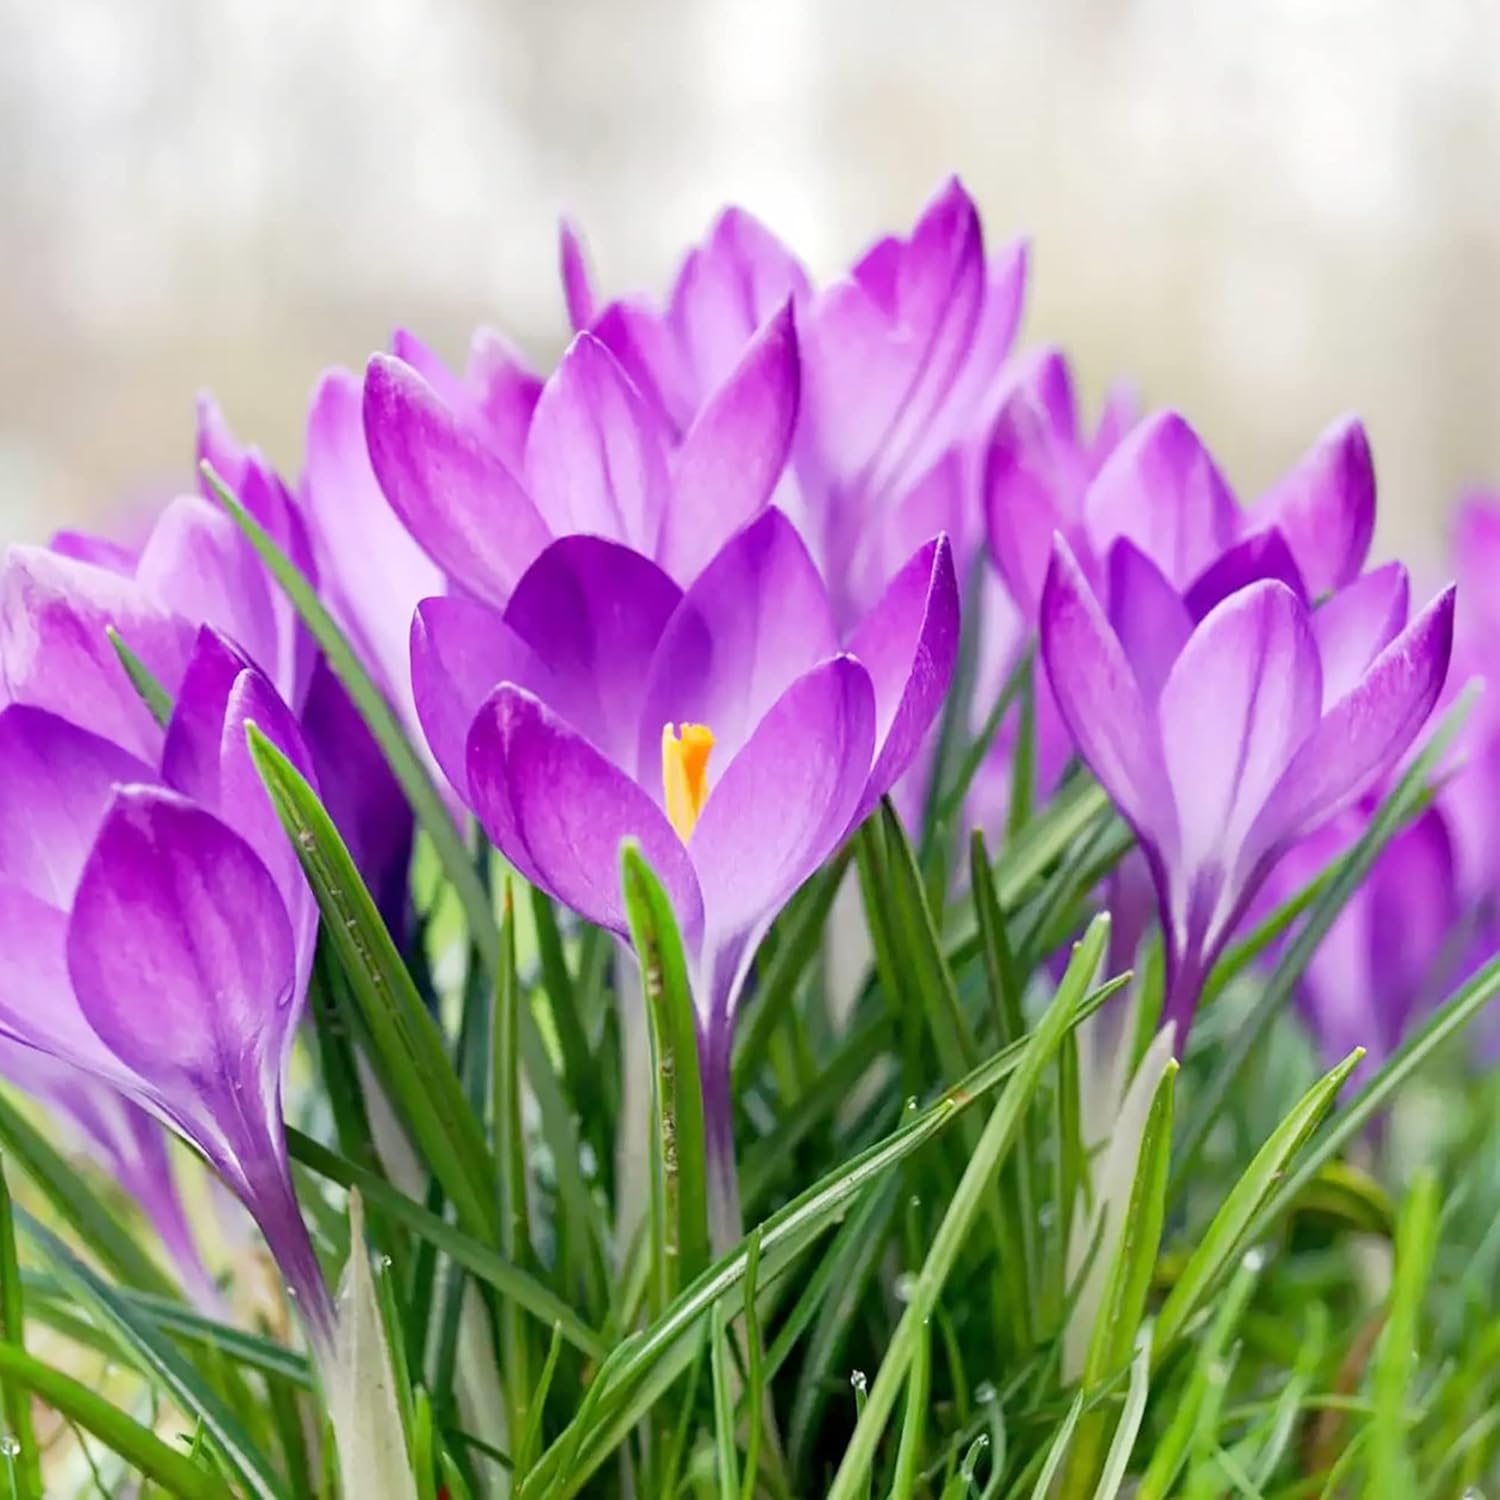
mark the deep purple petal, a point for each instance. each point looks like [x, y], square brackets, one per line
[461, 651]
[1161, 489]
[55, 652]
[1148, 615]
[1101, 702]
[1356, 624]
[1242, 698]
[596, 455]
[454, 496]
[558, 810]
[1264, 554]
[593, 612]
[1325, 507]
[182, 960]
[57, 780]
[783, 804]
[373, 571]
[733, 455]
[755, 619]
[908, 644]
[1365, 732]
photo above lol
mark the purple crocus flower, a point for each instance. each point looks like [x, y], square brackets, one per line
[598, 458]
[144, 902]
[727, 728]
[1224, 741]
[1388, 955]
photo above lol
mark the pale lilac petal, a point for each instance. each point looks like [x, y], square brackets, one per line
[644, 345]
[1325, 507]
[1356, 624]
[37, 1004]
[596, 455]
[101, 551]
[461, 651]
[1101, 702]
[756, 618]
[453, 495]
[56, 654]
[178, 935]
[504, 391]
[1264, 554]
[1148, 616]
[578, 291]
[594, 612]
[1365, 732]
[785, 802]
[1161, 489]
[1242, 698]
[1121, 411]
[450, 390]
[558, 810]
[908, 644]
[57, 780]
[373, 570]
[984, 374]
[734, 453]
[938, 503]
[1475, 550]
[198, 563]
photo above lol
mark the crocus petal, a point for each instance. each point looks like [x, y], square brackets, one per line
[908, 644]
[756, 618]
[1244, 695]
[733, 455]
[37, 1004]
[1325, 507]
[1364, 733]
[1120, 412]
[594, 612]
[595, 458]
[101, 551]
[938, 503]
[787, 799]
[1101, 702]
[58, 779]
[198, 563]
[1162, 490]
[372, 567]
[178, 932]
[1148, 616]
[995, 331]
[504, 392]
[1264, 554]
[559, 811]
[55, 650]
[461, 651]
[578, 291]
[1033, 481]
[1475, 550]
[644, 345]
[1356, 624]
[459, 501]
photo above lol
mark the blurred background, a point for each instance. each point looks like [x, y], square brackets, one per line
[1266, 214]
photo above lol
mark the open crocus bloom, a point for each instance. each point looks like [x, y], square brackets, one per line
[140, 904]
[726, 728]
[1224, 741]
[598, 458]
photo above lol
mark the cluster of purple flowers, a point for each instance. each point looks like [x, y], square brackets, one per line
[699, 587]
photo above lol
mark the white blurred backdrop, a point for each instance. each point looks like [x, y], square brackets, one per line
[1266, 213]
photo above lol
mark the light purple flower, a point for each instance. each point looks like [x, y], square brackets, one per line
[727, 728]
[1224, 741]
[157, 930]
[598, 458]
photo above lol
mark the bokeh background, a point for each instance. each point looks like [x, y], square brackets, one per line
[1265, 213]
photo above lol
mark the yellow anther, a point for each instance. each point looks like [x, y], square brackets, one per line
[684, 774]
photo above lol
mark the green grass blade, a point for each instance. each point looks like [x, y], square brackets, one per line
[138, 1446]
[161, 1361]
[1222, 1242]
[1062, 1442]
[726, 1451]
[531, 1435]
[1117, 1460]
[975, 1185]
[408, 1047]
[27, 1471]
[914, 1422]
[152, 693]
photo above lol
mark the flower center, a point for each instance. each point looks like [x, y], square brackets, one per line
[684, 774]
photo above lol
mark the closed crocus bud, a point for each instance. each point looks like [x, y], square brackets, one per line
[1224, 741]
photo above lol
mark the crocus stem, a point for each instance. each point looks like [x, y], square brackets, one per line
[725, 1229]
[273, 1205]
[1184, 987]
